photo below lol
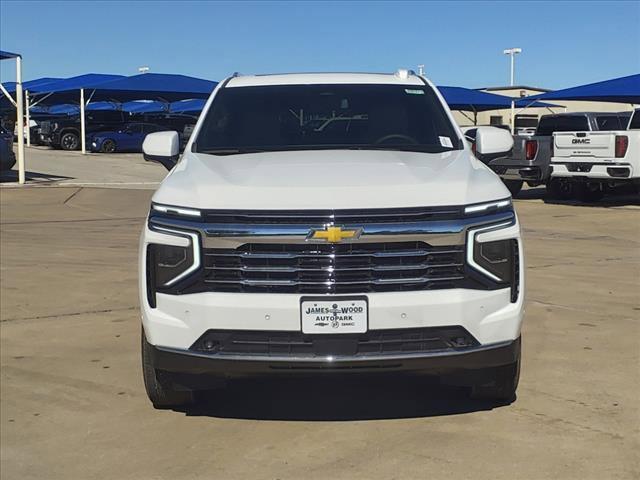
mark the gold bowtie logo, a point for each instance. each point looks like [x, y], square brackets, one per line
[334, 234]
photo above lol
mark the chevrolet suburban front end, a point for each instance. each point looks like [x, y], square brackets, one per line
[287, 242]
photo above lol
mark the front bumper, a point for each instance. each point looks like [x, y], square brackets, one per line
[185, 362]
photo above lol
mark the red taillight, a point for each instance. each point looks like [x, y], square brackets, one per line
[474, 148]
[531, 148]
[622, 143]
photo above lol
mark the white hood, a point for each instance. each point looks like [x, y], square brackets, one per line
[328, 179]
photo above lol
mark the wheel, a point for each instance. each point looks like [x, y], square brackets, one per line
[514, 186]
[69, 141]
[108, 146]
[589, 192]
[560, 190]
[501, 384]
[159, 390]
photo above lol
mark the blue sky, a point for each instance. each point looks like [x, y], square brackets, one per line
[460, 43]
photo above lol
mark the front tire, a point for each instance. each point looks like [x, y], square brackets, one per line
[159, 389]
[108, 146]
[514, 186]
[69, 141]
[501, 384]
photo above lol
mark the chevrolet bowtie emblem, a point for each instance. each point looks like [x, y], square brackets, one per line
[334, 234]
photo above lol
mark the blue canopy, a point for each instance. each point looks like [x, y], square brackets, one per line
[138, 106]
[145, 106]
[459, 98]
[74, 109]
[31, 84]
[621, 90]
[74, 83]
[149, 86]
[194, 105]
[6, 55]
[167, 87]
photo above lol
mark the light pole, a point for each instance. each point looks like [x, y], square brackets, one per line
[512, 52]
[421, 69]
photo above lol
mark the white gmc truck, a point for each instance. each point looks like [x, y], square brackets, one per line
[587, 165]
[329, 224]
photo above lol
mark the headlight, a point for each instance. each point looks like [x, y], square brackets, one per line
[487, 207]
[168, 264]
[496, 259]
[54, 126]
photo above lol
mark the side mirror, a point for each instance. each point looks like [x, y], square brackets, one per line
[162, 147]
[492, 140]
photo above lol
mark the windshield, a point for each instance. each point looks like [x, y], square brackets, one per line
[308, 117]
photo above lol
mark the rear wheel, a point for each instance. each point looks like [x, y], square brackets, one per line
[108, 146]
[514, 186]
[559, 190]
[159, 389]
[501, 383]
[589, 192]
[69, 141]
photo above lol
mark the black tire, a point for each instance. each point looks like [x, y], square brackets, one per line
[501, 384]
[589, 192]
[108, 146]
[69, 141]
[159, 390]
[514, 186]
[560, 190]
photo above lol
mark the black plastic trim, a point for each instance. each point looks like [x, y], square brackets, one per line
[188, 362]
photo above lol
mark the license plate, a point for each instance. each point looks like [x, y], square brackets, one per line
[334, 315]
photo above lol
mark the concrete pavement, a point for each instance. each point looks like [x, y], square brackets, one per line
[72, 403]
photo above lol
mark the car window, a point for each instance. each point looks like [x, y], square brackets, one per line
[301, 117]
[134, 128]
[612, 122]
[635, 121]
[562, 123]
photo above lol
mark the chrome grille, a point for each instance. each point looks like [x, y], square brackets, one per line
[45, 127]
[333, 268]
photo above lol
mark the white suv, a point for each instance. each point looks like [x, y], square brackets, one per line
[382, 245]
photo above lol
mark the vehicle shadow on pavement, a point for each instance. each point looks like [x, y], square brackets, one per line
[339, 399]
[624, 198]
[11, 176]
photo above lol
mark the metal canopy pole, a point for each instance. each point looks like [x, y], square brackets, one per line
[513, 114]
[20, 120]
[26, 110]
[82, 125]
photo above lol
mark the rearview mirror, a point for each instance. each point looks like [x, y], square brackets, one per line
[492, 140]
[162, 147]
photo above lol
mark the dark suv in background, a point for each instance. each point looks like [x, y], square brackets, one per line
[7, 157]
[64, 132]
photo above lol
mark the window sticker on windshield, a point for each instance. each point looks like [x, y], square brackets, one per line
[446, 142]
[414, 92]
